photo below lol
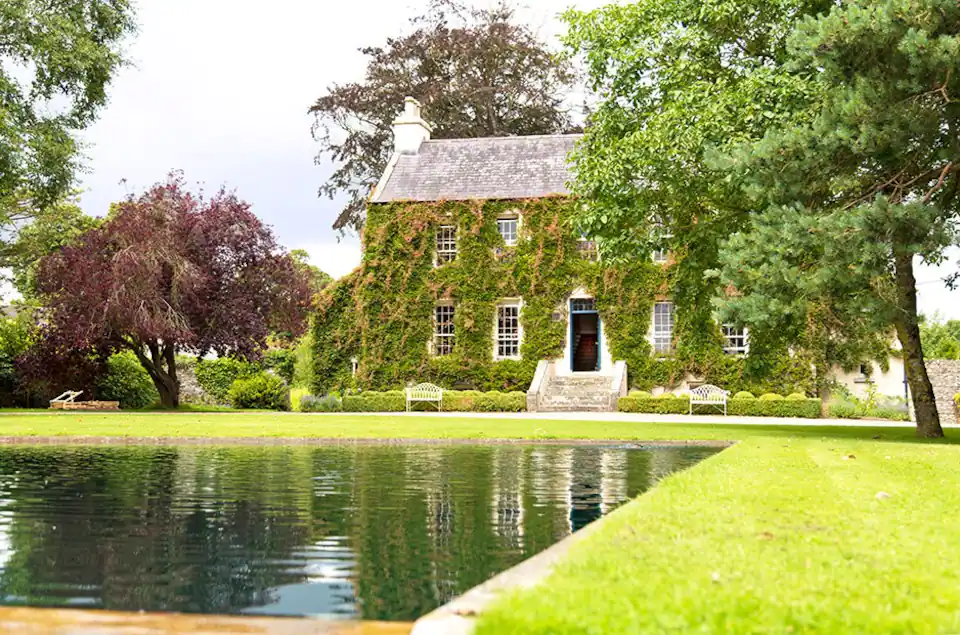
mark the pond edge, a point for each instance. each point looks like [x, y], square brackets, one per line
[458, 617]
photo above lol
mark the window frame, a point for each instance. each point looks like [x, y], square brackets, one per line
[728, 349]
[657, 336]
[447, 255]
[509, 218]
[516, 338]
[449, 340]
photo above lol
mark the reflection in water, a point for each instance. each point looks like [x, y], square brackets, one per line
[384, 533]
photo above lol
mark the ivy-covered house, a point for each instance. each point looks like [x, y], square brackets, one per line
[474, 275]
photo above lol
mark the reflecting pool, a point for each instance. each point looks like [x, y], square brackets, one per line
[372, 532]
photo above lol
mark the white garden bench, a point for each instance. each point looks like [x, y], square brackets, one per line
[68, 397]
[709, 395]
[425, 393]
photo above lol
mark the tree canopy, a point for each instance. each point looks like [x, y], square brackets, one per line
[56, 60]
[807, 149]
[478, 73]
[173, 272]
[866, 180]
[941, 340]
[52, 228]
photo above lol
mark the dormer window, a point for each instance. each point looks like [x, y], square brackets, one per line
[446, 244]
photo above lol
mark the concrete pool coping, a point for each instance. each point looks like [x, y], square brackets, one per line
[336, 441]
[459, 616]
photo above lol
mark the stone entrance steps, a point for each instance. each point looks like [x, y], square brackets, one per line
[579, 393]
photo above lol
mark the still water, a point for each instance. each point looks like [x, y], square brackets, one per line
[385, 533]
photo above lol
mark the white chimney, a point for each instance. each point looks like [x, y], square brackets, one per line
[410, 130]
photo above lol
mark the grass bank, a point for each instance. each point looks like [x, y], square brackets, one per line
[782, 533]
[279, 425]
[778, 534]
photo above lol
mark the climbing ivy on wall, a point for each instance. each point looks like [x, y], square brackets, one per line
[382, 314]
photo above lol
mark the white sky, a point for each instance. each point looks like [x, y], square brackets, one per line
[220, 89]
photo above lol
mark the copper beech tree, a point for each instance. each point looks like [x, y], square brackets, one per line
[173, 272]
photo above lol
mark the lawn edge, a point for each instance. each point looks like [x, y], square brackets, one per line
[346, 441]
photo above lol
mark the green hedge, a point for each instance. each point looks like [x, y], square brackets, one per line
[260, 392]
[744, 407]
[216, 376]
[453, 401]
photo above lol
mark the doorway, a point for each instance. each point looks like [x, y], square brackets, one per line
[584, 336]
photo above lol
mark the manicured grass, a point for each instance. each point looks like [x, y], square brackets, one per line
[782, 533]
[774, 535]
[275, 424]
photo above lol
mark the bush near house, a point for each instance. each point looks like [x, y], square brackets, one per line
[453, 401]
[217, 376]
[260, 392]
[740, 406]
[127, 381]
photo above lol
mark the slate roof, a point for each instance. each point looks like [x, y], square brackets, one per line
[494, 168]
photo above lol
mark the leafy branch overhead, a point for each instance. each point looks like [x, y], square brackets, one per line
[478, 72]
[55, 65]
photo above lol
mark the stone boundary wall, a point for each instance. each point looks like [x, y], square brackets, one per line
[945, 377]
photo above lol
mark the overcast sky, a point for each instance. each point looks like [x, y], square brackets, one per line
[220, 89]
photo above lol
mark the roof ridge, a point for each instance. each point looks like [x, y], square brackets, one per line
[506, 138]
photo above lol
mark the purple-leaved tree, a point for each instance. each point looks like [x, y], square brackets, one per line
[173, 272]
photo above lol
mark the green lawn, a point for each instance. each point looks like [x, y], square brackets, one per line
[782, 533]
[273, 424]
[774, 535]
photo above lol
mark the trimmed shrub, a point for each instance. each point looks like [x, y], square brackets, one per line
[669, 395]
[796, 396]
[127, 381]
[641, 394]
[330, 403]
[453, 401]
[655, 405]
[956, 400]
[743, 394]
[260, 392]
[217, 376]
[771, 396]
[372, 401]
[795, 408]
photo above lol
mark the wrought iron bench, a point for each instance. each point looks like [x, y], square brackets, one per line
[709, 395]
[425, 393]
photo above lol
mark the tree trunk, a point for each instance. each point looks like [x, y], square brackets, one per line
[161, 365]
[825, 394]
[908, 330]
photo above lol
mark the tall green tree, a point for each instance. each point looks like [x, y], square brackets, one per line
[866, 179]
[478, 72]
[52, 228]
[941, 340]
[680, 82]
[56, 60]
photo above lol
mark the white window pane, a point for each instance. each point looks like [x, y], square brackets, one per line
[444, 333]
[735, 339]
[446, 244]
[509, 230]
[663, 327]
[508, 331]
